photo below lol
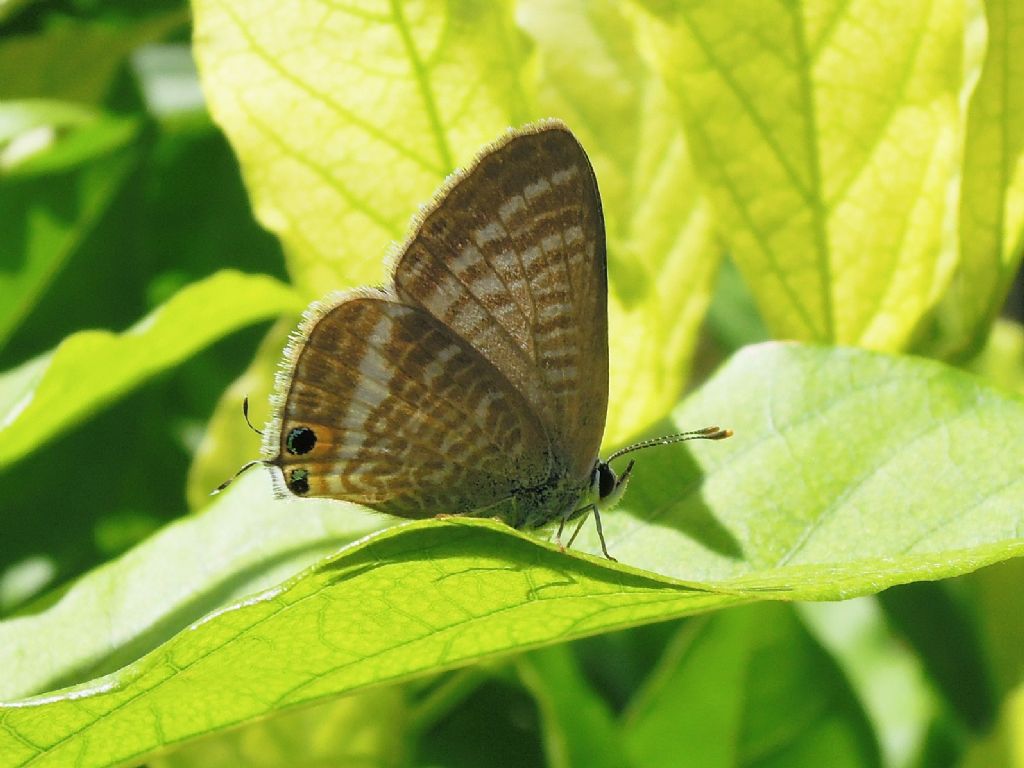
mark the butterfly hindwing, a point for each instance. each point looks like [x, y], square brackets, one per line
[386, 407]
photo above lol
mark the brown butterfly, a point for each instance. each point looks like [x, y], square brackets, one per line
[477, 382]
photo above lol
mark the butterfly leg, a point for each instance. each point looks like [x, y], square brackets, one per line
[600, 534]
[583, 513]
[558, 535]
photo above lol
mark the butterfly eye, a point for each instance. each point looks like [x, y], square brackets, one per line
[606, 480]
[301, 440]
[298, 481]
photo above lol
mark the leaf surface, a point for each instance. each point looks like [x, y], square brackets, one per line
[770, 695]
[830, 170]
[776, 513]
[88, 369]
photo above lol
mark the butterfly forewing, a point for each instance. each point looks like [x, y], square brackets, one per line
[512, 258]
[389, 408]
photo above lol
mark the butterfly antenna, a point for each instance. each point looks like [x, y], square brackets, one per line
[708, 433]
[234, 477]
[247, 465]
[245, 413]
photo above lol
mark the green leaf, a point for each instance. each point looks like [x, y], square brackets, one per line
[996, 594]
[1001, 360]
[829, 168]
[48, 137]
[769, 695]
[361, 730]
[1003, 745]
[920, 486]
[91, 368]
[943, 632]
[887, 675]
[733, 320]
[579, 729]
[50, 200]
[342, 138]
[129, 606]
[992, 200]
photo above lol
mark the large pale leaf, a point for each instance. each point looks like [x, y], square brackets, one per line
[346, 119]
[89, 369]
[829, 137]
[841, 459]
[849, 472]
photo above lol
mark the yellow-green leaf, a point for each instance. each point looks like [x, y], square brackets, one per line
[829, 137]
[347, 118]
[992, 198]
[920, 486]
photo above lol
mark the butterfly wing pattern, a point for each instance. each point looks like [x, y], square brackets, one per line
[477, 383]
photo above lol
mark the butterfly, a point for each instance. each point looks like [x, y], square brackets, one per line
[476, 382]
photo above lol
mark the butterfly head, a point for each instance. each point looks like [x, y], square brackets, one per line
[300, 440]
[606, 487]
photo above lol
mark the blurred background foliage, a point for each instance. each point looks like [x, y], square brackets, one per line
[117, 189]
[148, 201]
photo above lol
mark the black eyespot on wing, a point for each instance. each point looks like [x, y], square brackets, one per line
[606, 480]
[300, 440]
[298, 481]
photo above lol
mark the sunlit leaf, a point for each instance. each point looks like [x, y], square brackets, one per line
[911, 492]
[991, 229]
[344, 136]
[829, 169]
[663, 255]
